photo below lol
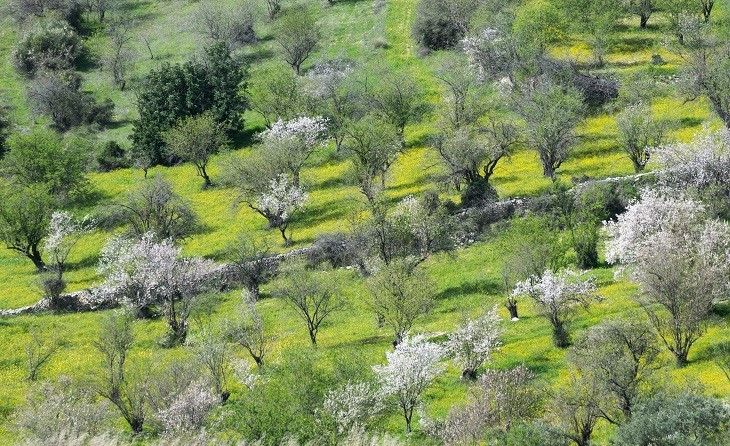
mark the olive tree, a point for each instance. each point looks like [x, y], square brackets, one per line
[252, 263]
[638, 131]
[399, 296]
[551, 112]
[373, 145]
[195, 139]
[641, 8]
[25, 214]
[312, 294]
[275, 92]
[298, 34]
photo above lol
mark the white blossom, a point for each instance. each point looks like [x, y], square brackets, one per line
[145, 272]
[353, 404]
[411, 368]
[703, 162]
[64, 231]
[188, 411]
[305, 131]
[282, 199]
[246, 375]
[556, 296]
[473, 343]
[655, 212]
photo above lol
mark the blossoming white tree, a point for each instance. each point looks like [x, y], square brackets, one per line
[473, 343]
[556, 296]
[280, 203]
[680, 259]
[64, 231]
[188, 411]
[146, 272]
[411, 368]
[353, 404]
[292, 143]
[700, 163]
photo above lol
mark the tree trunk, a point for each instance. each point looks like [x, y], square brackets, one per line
[35, 256]
[512, 308]
[681, 358]
[644, 20]
[206, 179]
[470, 375]
[561, 338]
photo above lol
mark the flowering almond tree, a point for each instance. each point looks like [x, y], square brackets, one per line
[146, 272]
[280, 203]
[292, 143]
[473, 343]
[353, 404]
[556, 296]
[681, 261]
[411, 368]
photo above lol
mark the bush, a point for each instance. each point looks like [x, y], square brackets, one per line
[585, 244]
[112, 156]
[50, 45]
[436, 27]
[478, 193]
[688, 419]
[338, 249]
[60, 97]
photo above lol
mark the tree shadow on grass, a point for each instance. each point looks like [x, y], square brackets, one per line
[481, 287]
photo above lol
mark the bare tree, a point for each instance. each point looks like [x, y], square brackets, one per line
[156, 208]
[617, 357]
[400, 295]
[211, 350]
[233, 25]
[576, 411]
[114, 341]
[247, 329]
[252, 263]
[722, 357]
[39, 350]
[309, 293]
[298, 34]
[120, 58]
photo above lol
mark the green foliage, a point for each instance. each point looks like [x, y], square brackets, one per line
[274, 93]
[25, 213]
[49, 45]
[441, 24]
[195, 139]
[688, 419]
[41, 157]
[176, 91]
[537, 25]
[112, 156]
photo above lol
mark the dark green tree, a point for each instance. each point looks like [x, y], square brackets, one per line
[176, 91]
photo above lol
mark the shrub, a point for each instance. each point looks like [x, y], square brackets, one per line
[338, 249]
[688, 419]
[478, 193]
[60, 97]
[112, 156]
[52, 45]
[437, 27]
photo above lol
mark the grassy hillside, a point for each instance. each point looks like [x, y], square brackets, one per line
[467, 283]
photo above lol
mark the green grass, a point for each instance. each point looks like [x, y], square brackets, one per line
[467, 283]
